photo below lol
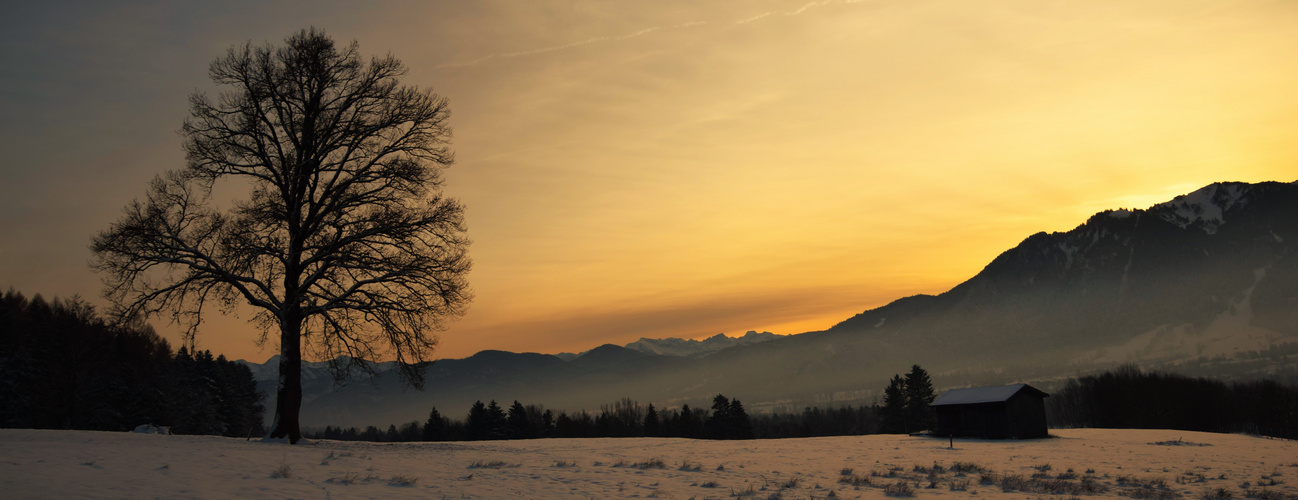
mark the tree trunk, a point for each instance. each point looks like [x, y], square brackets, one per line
[288, 404]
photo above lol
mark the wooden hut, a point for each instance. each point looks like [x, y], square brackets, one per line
[1000, 412]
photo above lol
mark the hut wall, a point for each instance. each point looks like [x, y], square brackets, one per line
[1027, 416]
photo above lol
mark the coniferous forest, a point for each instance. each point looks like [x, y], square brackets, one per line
[1128, 398]
[64, 367]
[725, 419]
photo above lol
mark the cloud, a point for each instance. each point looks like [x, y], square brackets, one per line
[579, 330]
[639, 33]
[545, 50]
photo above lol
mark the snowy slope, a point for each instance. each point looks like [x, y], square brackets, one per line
[82, 464]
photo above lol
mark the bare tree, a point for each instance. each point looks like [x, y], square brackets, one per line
[343, 242]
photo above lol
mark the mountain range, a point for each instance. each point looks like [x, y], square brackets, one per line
[1206, 282]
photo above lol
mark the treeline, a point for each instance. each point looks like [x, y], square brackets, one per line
[905, 409]
[1131, 399]
[64, 367]
[726, 419]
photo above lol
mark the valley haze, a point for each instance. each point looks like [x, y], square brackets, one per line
[1204, 284]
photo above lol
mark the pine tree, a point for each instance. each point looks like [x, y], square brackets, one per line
[719, 423]
[651, 421]
[686, 426]
[435, 427]
[497, 424]
[740, 426]
[478, 423]
[893, 412]
[547, 424]
[919, 394]
[517, 423]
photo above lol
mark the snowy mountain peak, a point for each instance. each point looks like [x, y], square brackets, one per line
[696, 348]
[1206, 207]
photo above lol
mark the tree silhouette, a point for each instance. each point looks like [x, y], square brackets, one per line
[718, 422]
[651, 423]
[740, 426]
[342, 239]
[893, 412]
[478, 423]
[435, 427]
[497, 422]
[517, 422]
[919, 394]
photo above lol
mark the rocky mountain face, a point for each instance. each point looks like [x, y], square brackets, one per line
[1209, 275]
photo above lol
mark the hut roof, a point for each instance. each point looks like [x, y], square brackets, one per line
[975, 395]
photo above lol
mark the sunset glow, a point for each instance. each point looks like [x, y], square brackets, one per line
[669, 169]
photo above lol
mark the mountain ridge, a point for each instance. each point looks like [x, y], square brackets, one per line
[1207, 274]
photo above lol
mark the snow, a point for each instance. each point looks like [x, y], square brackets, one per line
[1205, 206]
[690, 347]
[1069, 252]
[975, 395]
[66, 464]
[1230, 333]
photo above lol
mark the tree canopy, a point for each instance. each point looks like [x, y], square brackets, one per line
[342, 241]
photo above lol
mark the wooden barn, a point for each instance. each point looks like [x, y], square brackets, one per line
[1001, 412]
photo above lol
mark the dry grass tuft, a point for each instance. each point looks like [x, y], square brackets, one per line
[744, 493]
[857, 481]
[283, 471]
[1262, 494]
[899, 489]
[494, 464]
[402, 480]
[653, 463]
[1178, 442]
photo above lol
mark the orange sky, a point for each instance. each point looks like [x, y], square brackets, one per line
[673, 169]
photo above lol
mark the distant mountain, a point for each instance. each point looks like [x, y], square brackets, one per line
[697, 348]
[1207, 281]
[688, 348]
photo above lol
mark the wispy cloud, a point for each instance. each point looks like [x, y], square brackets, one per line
[557, 48]
[643, 32]
[808, 6]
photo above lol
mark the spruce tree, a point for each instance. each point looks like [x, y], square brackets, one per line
[686, 426]
[651, 421]
[478, 423]
[497, 426]
[719, 424]
[517, 423]
[435, 427]
[740, 426]
[893, 412]
[919, 394]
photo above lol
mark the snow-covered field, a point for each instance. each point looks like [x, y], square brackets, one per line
[1108, 463]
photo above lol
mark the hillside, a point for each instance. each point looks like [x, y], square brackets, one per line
[1207, 281]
